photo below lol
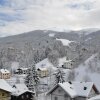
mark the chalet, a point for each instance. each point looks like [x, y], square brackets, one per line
[42, 72]
[44, 64]
[73, 91]
[5, 90]
[21, 71]
[22, 93]
[4, 74]
[68, 64]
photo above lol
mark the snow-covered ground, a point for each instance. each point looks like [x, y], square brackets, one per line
[65, 42]
[83, 72]
[51, 34]
[16, 78]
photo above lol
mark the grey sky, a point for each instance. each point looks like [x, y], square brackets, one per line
[18, 16]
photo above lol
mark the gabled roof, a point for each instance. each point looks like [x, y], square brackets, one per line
[75, 89]
[42, 69]
[20, 89]
[4, 71]
[5, 86]
[23, 68]
[44, 63]
[95, 98]
[47, 64]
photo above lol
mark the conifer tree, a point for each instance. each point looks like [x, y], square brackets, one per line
[32, 79]
[59, 76]
[29, 80]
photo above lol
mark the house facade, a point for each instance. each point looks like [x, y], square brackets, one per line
[4, 74]
[5, 95]
[22, 93]
[72, 91]
[5, 90]
[24, 96]
[21, 71]
[68, 64]
[42, 72]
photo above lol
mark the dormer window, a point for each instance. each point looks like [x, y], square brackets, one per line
[70, 82]
[14, 86]
[85, 88]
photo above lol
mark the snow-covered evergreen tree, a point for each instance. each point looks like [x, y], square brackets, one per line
[59, 76]
[36, 79]
[32, 79]
[35, 75]
[29, 80]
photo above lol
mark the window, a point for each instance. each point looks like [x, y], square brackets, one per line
[27, 96]
[56, 98]
[59, 91]
[68, 98]
[22, 97]
[3, 94]
[65, 96]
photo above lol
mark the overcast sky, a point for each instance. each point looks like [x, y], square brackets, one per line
[18, 16]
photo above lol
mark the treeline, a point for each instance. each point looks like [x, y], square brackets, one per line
[29, 54]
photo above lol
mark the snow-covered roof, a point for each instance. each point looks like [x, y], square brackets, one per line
[5, 86]
[42, 68]
[61, 61]
[67, 61]
[20, 89]
[65, 42]
[45, 64]
[51, 34]
[75, 89]
[4, 71]
[24, 68]
[95, 98]
[83, 74]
